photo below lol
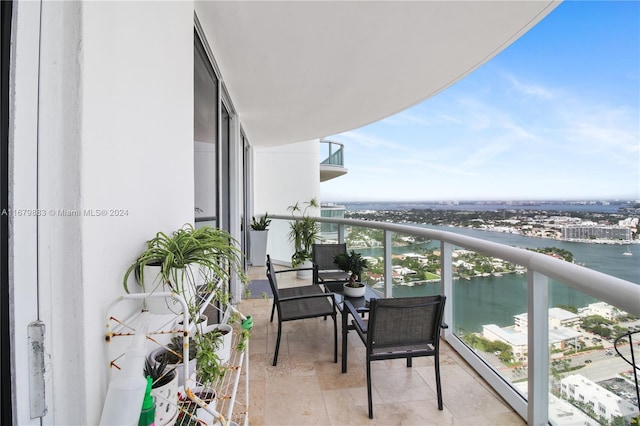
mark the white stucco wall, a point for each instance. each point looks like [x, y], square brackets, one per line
[137, 139]
[116, 141]
[284, 175]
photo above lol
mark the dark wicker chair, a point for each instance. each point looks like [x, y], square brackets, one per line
[324, 270]
[295, 303]
[401, 328]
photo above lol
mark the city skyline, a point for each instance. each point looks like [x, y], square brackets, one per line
[555, 116]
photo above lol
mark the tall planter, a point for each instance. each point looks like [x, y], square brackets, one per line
[258, 247]
[304, 270]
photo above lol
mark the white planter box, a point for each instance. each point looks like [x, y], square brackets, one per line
[258, 247]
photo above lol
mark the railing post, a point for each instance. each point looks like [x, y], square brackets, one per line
[341, 233]
[538, 348]
[446, 282]
[388, 276]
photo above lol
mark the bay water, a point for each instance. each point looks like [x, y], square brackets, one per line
[495, 300]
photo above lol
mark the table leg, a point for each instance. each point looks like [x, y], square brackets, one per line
[345, 315]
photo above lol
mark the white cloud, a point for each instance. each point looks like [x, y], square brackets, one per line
[532, 90]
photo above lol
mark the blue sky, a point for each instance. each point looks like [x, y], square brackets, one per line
[554, 116]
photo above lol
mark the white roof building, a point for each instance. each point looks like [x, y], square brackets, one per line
[557, 318]
[604, 310]
[603, 402]
[517, 335]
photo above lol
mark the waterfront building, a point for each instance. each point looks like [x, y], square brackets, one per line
[587, 232]
[602, 402]
[558, 317]
[561, 332]
[329, 231]
[603, 309]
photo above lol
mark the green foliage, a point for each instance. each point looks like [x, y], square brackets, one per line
[304, 231]
[565, 254]
[157, 370]
[352, 263]
[483, 344]
[244, 338]
[212, 250]
[598, 325]
[569, 308]
[208, 362]
[262, 224]
[174, 350]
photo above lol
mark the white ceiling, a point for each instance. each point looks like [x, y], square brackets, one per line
[299, 70]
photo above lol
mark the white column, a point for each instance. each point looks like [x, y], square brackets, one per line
[538, 342]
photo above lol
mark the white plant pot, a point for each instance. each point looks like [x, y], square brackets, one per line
[258, 247]
[224, 351]
[306, 273]
[154, 284]
[178, 367]
[354, 291]
[166, 398]
[188, 279]
[203, 414]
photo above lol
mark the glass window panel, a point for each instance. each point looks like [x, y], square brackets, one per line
[205, 115]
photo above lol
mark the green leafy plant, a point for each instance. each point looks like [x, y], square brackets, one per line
[208, 362]
[173, 354]
[304, 231]
[261, 224]
[158, 371]
[352, 263]
[187, 257]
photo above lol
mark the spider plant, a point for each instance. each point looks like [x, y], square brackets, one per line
[212, 251]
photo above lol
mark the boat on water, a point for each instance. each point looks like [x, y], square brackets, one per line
[627, 252]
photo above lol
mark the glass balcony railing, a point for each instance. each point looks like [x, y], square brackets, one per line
[332, 152]
[538, 329]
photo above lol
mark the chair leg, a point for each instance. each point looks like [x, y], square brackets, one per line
[275, 355]
[273, 309]
[438, 385]
[369, 396]
[409, 362]
[335, 339]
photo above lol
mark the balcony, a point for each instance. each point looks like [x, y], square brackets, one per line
[528, 378]
[306, 387]
[333, 164]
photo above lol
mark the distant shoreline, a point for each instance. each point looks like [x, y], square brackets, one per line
[584, 241]
[594, 206]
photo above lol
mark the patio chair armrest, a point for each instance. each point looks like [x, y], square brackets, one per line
[357, 319]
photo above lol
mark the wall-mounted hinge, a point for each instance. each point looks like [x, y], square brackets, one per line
[37, 401]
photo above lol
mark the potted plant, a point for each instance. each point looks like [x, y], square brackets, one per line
[304, 231]
[354, 264]
[171, 356]
[188, 261]
[164, 387]
[258, 239]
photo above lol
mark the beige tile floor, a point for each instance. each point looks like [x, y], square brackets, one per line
[307, 388]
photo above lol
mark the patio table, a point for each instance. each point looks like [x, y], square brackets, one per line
[358, 304]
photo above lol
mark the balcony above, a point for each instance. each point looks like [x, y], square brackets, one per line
[332, 165]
